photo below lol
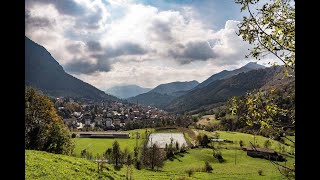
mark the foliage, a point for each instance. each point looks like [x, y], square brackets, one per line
[208, 167]
[270, 29]
[203, 140]
[116, 152]
[153, 157]
[267, 109]
[44, 128]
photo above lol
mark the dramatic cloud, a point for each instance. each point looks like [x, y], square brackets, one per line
[192, 51]
[102, 61]
[94, 46]
[67, 7]
[83, 67]
[141, 42]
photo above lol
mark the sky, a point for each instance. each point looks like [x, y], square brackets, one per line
[145, 42]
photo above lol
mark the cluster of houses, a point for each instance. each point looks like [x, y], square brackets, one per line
[112, 116]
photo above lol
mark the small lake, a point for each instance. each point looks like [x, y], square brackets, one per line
[161, 139]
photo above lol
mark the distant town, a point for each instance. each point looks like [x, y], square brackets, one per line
[93, 116]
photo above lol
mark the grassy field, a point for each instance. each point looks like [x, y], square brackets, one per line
[99, 146]
[247, 138]
[245, 168]
[43, 165]
[40, 165]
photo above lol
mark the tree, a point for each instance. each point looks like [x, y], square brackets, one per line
[205, 140]
[177, 146]
[241, 143]
[270, 29]
[128, 163]
[156, 157]
[44, 128]
[108, 154]
[116, 152]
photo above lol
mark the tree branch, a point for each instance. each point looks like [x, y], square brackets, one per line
[264, 31]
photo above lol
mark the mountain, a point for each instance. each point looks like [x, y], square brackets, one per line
[226, 74]
[127, 91]
[173, 87]
[163, 94]
[43, 72]
[152, 99]
[222, 89]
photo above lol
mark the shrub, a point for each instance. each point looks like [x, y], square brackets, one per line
[190, 172]
[218, 155]
[208, 167]
[260, 172]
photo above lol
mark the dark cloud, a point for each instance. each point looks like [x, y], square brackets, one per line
[67, 7]
[126, 48]
[70, 7]
[104, 61]
[198, 50]
[94, 46]
[192, 51]
[82, 67]
[74, 48]
[162, 30]
[37, 22]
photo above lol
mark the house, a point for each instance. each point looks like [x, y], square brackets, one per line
[87, 121]
[108, 122]
[264, 153]
[116, 122]
[98, 120]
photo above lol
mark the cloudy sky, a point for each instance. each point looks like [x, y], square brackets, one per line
[143, 42]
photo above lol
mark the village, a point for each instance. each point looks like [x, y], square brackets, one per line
[92, 116]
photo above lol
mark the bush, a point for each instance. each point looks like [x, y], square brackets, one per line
[260, 172]
[218, 155]
[208, 167]
[190, 172]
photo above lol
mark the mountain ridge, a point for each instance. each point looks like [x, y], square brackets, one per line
[226, 74]
[43, 72]
[127, 91]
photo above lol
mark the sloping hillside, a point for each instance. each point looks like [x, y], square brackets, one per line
[152, 99]
[221, 90]
[43, 165]
[170, 88]
[227, 74]
[42, 71]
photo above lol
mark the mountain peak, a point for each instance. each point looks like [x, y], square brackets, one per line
[253, 65]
